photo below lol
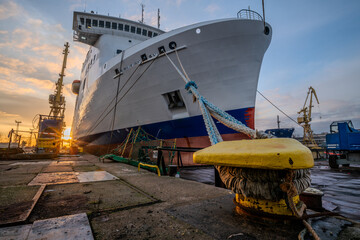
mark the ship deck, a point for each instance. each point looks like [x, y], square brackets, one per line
[122, 203]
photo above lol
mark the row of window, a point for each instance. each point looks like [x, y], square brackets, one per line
[118, 26]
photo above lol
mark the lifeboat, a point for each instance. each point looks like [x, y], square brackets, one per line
[75, 87]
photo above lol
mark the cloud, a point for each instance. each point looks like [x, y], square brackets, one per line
[20, 39]
[16, 65]
[212, 8]
[76, 5]
[13, 88]
[9, 9]
[8, 115]
[6, 71]
[35, 22]
[47, 50]
[3, 32]
[44, 84]
[179, 2]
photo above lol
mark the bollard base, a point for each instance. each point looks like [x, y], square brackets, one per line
[266, 207]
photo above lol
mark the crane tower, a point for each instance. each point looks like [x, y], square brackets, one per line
[305, 118]
[51, 126]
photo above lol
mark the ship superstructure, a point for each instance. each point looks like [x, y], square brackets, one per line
[127, 81]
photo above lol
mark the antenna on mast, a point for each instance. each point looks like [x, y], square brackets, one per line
[263, 8]
[142, 12]
[158, 18]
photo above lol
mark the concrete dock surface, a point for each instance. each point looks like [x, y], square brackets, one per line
[122, 203]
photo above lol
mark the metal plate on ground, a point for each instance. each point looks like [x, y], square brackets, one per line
[62, 228]
[54, 178]
[65, 162]
[32, 163]
[16, 232]
[95, 176]
[71, 177]
[59, 168]
[89, 197]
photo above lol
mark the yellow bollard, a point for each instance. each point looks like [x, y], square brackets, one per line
[262, 173]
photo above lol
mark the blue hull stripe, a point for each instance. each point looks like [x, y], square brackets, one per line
[180, 128]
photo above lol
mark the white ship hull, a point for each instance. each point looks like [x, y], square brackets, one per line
[223, 57]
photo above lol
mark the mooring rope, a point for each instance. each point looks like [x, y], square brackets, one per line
[249, 182]
[208, 109]
[291, 191]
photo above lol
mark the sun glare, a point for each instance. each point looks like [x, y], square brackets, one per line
[67, 134]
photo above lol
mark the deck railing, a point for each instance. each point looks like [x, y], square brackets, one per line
[249, 14]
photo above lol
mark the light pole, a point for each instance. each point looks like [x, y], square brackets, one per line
[17, 129]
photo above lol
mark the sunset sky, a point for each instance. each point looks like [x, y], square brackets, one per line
[315, 43]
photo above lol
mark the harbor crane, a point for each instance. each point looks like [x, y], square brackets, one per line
[51, 126]
[57, 100]
[305, 119]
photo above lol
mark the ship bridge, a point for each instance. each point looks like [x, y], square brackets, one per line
[88, 27]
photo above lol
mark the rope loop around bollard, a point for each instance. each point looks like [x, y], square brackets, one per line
[290, 190]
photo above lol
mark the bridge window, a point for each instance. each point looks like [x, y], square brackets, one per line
[101, 23]
[155, 34]
[88, 23]
[144, 32]
[149, 33]
[113, 25]
[121, 26]
[132, 29]
[138, 31]
[107, 24]
[127, 28]
[95, 23]
[82, 21]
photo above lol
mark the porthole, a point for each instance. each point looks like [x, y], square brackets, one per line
[198, 31]
[267, 30]
[172, 45]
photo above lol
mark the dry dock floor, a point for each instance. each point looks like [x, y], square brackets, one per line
[122, 203]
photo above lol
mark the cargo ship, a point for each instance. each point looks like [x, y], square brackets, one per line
[127, 81]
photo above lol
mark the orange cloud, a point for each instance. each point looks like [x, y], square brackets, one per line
[8, 115]
[8, 9]
[11, 65]
[47, 50]
[6, 71]
[45, 84]
[23, 38]
[13, 88]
